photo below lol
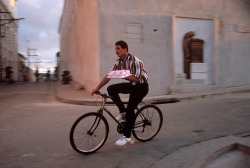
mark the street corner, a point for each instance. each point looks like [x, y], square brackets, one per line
[229, 151]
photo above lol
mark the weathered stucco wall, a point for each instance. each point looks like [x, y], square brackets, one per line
[234, 44]
[150, 44]
[80, 47]
[153, 30]
[226, 50]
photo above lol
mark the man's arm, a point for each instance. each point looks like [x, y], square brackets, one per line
[137, 66]
[132, 78]
[103, 82]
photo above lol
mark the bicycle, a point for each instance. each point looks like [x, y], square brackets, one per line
[90, 131]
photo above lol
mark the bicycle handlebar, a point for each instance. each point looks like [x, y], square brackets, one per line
[104, 95]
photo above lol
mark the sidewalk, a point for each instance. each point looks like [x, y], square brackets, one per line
[69, 94]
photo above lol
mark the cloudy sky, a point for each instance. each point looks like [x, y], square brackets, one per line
[39, 30]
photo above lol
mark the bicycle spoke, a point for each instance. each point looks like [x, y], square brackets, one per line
[148, 123]
[150, 115]
[89, 133]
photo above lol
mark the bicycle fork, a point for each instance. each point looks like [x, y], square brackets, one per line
[94, 125]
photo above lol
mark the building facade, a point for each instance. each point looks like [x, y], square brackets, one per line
[185, 45]
[8, 39]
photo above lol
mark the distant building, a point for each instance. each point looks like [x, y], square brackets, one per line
[185, 45]
[8, 40]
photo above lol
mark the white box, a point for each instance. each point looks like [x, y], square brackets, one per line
[199, 71]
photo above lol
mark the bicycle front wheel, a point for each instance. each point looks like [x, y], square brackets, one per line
[89, 133]
[148, 123]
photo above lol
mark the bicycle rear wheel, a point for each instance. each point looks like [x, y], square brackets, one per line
[89, 133]
[148, 123]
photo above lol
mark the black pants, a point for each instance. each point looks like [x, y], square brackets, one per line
[137, 93]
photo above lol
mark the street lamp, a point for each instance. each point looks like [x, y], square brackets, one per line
[5, 12]
[10, 20]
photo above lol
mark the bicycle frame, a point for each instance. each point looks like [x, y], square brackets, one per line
[84, 133]
[103, 108]
[100, 111]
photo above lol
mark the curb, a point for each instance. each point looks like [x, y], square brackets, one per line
[213, 95]
[164, 99]
[204, 161]
[91, 102]
[204, 152]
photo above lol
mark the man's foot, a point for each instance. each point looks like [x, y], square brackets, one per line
[122, 141]
[121, 116]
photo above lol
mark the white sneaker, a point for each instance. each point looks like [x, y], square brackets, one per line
[121, 116]
[122, 141]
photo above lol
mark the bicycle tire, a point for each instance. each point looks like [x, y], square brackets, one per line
[89, 133]
[145, 128]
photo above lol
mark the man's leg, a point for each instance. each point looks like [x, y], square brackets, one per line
[138, 92]
[114, 91]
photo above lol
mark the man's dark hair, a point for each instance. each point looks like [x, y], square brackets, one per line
[123, 44]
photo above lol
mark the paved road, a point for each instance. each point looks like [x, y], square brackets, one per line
[34, 129]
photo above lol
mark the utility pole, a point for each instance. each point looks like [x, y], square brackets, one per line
[30, 52]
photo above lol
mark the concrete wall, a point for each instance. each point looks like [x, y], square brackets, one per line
[151, 44]
[153, 30]
[234, 44]
[80, 48]
[212, 21]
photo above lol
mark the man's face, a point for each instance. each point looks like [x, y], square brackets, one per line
[119, 51]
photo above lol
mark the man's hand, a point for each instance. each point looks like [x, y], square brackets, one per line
[94, 91]
[104, 81]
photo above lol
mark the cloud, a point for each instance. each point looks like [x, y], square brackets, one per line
[31, 3]
[39, 30]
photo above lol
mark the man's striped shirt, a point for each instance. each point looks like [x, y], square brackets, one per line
[135, 66]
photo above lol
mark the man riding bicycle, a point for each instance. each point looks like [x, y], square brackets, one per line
[137, 87]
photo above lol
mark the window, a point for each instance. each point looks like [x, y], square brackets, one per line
[134, 32]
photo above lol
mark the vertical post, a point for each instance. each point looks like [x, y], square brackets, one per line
[29, 62]
[1, 60]
[28, 65]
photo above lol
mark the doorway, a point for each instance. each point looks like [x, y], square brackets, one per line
[202, 48]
